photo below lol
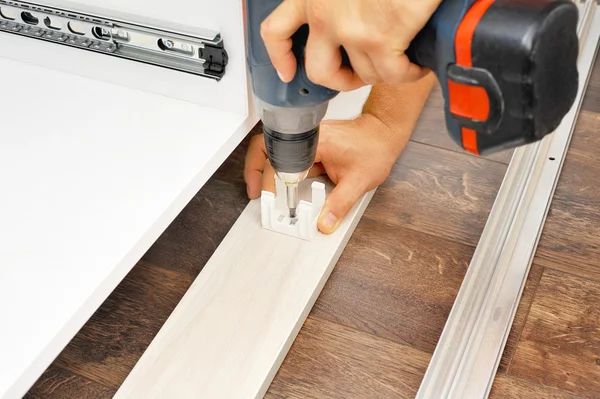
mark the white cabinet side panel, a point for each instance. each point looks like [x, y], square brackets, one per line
[85, 191]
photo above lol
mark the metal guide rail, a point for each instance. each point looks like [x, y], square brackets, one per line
[199, 55]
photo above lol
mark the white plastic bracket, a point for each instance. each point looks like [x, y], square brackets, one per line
[275, 213]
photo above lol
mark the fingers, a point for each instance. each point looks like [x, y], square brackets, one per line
[258, 172]
[363, 66]
[412, 72]
[268, 178]
[339, 202]
[268, 175]
[397, 69]
[324, 65]
[256, 158]
[317, 170]
[277, 30]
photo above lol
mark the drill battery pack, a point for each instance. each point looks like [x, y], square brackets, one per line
[508, 68]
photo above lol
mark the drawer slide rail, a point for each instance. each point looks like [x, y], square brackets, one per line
[200, 55]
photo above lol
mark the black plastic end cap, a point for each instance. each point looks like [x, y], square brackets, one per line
[556, 78]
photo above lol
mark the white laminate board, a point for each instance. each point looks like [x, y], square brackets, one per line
[85, 190]
[231, 331]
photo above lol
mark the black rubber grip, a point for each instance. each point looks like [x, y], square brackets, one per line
[291, 153]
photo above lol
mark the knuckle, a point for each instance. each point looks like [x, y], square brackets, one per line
[316, 15]
[372, 37]
[369, 79]
[381, 178]
[348, 34]
[391, 69]
[266, 28]
[356, 34]
[316, 74]
[317, 23]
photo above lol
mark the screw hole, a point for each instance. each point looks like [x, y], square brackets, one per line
[304, 92]
[29, 18]
[552, 158]
[48, 23]
[101, 33]
[166, 45]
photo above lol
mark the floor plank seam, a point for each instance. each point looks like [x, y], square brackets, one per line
[379, 338]
[544, 387]
[84, 377]
[548, 265]
[459, 152]
[537, 286]
[182, 274]
[427, 233]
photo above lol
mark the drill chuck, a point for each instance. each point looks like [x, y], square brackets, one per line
[291, 153]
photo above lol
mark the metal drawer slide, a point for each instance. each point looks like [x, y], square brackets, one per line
[200, 55]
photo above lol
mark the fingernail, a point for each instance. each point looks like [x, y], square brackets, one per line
[250, 192]
[280, 76]
[329, 222]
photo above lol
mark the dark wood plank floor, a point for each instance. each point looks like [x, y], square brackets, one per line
[374, 327]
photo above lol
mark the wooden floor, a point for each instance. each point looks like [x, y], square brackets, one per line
[373, 330]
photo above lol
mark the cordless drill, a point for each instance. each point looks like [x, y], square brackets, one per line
[507, 69]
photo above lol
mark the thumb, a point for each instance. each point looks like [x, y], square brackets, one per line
[338, 204]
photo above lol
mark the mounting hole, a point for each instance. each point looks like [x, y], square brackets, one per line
[552, 158]
[29, 18]
[7, 14]
[101, 33]
[165, 45]
[48, 22]
[76, 28]
[304, 92]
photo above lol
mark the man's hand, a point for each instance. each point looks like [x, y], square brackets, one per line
[374, 33]
[357, 155]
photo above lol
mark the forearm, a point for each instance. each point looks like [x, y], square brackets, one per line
[398, 106]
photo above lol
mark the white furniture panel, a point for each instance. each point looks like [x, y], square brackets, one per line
[228, 336]
[85, 191]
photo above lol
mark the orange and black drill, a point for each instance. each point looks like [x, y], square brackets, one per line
[507, 68]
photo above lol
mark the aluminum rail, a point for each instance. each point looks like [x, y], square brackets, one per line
[467, 355]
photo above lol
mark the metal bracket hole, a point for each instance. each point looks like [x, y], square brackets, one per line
[48, 23]
[101, 33]
[170, 45]
[29, 18]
